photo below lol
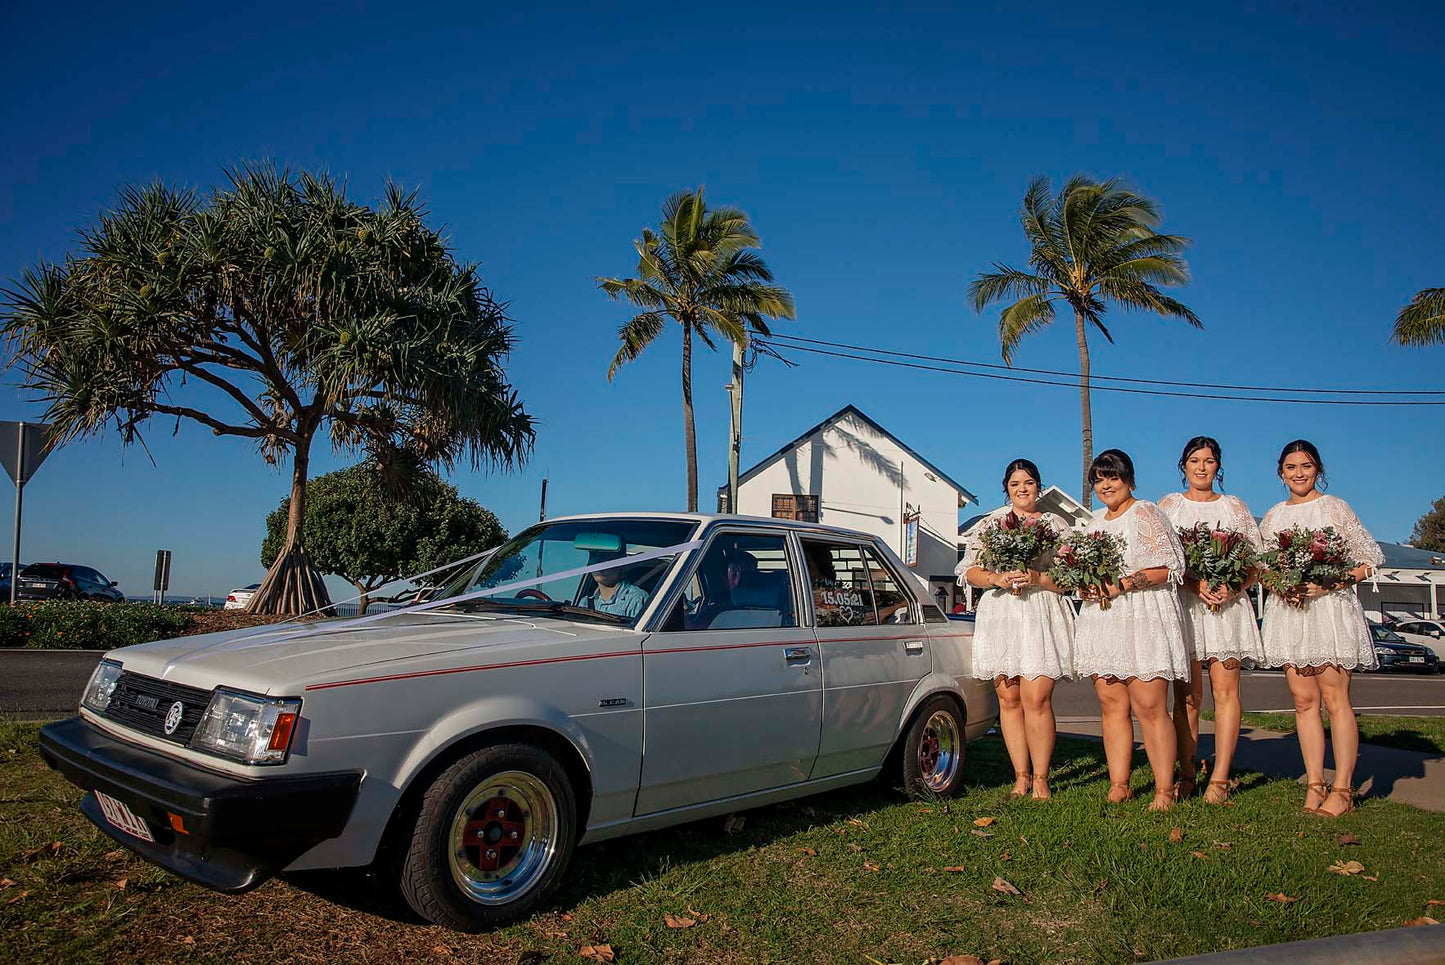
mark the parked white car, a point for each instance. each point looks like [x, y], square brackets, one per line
[239, 597]
[1427, 633]
[596, 676]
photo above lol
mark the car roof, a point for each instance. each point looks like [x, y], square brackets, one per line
[709, 519]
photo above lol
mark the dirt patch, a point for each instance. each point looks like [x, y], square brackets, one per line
[214, 621]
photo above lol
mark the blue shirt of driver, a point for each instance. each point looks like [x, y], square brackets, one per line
[627, 601]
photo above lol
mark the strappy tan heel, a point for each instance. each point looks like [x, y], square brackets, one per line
[1163, 797]
[1217, 792]
[1027, 778]
[1127, 792]
[1041, 780]
[1320, 786]
[1345, 791]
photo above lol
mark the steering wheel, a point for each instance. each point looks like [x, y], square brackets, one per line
[534, 593]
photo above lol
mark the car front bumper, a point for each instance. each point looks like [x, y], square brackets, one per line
[1403, 662]
[224, 832]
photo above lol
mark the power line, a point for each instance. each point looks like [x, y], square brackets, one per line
[1101, 388]
[1102, 378]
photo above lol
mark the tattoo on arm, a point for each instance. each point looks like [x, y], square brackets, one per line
[1138, 580]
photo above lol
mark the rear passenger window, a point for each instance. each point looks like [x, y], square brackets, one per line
[838, 578]
[894, 606]
[742, 582]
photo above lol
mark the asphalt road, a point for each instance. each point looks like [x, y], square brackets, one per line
[41, 684]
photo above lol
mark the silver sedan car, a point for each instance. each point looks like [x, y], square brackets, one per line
[596, 676]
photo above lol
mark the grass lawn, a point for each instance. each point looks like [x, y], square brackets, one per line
[856, 876]
[1411, 733]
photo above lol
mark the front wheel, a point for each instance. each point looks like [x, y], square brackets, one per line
[932, 759]
[494, 834]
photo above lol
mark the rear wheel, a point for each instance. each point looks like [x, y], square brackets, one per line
[493, 836]
[933, 750]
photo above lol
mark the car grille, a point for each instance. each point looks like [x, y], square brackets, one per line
[142, 704]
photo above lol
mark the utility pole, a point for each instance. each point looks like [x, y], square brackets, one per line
[735, 433]
[19, 492]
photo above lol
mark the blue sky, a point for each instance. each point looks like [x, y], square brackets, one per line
[882, 153]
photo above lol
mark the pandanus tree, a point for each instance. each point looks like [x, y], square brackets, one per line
[272, 310]
[701, 269]
[1091, 245]
[1422, 321]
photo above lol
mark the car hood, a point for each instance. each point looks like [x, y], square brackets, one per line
[1401, 646]
[283, 658]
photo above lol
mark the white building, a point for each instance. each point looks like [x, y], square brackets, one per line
[1411, 585]
[849, 471]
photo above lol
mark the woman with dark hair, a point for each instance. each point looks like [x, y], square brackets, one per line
[1319, 635]
[1023, 638]
[1136, 647]
[1222, 629]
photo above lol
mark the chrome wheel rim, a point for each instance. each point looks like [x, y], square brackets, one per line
[938, 751]
[503, 838]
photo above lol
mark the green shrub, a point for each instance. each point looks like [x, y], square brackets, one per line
[81, 625]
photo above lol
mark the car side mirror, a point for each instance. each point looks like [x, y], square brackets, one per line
[115, 583]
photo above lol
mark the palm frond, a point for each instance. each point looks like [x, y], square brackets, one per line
[1422, 321]
[636, 334]
[1029, 314]
[1004, 282]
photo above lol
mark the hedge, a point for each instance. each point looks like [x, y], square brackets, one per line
[82, 625]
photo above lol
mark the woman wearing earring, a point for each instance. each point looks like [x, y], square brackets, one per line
[1320, 636]
[1023, 638]
[1220, 622]
[1136, 647]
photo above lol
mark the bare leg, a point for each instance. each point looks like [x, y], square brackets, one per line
[1224, 681]
[1311, 732]
[1188, 695]
[1118, 735]
[1344, 735]
[1038, 699]
[1011, 723]
[1150, 700]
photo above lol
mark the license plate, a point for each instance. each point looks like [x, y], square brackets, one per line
[123, 817]
[35, 586]
[1417, 659]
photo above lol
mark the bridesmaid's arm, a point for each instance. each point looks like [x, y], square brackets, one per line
[1040, 579]
[1141, 580]
[983, 579]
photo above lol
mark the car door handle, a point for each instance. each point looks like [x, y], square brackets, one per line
[913, 646]
[798, 654]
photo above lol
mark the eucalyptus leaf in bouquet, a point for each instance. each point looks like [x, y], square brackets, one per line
[1222, 558]
[1089, 560]
[1303, 556]
[1013, 542]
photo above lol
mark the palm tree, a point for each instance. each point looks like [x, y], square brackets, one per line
[1091, 244]
[702, 270]
[1422, 322]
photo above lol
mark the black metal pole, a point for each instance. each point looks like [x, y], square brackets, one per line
[19, 491]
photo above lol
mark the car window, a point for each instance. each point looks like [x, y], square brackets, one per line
[894, 606]
[741, 582]
[46, 571]
[932, 613]
[838, 579]
[1385, 635]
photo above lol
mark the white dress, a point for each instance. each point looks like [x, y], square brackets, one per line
[1029, 635]
[1231, 635]
[1329, 630]
[1142, 634]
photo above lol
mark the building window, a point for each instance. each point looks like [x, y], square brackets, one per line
[791, 506]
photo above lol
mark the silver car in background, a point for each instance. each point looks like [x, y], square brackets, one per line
[594, 677]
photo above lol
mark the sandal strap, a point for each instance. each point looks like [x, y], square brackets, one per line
[1223, 783]
[1312, 785]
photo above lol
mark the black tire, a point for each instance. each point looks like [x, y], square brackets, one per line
[931, 762]
[464, 894]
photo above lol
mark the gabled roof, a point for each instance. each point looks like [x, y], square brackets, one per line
[853, 410]
[1398, 556]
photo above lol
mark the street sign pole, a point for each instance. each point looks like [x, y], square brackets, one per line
[19, 491]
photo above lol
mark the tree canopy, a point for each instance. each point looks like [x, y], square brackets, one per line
[1429, 531]
[1092, 244]
[299, 310]
[701, 269]
[1422, 321]
[360, 531]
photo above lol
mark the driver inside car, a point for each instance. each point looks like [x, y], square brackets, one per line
[613, 594]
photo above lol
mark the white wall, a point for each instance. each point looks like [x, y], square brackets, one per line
[857, 472]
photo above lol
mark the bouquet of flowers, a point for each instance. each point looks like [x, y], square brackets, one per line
[1089, 559]
[1013, 542]
[1222, 558]
[1317, 556]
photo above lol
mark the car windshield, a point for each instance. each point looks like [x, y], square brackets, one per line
[1386, 635]
[544, 561]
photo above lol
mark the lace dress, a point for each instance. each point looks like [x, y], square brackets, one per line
[1029, 635]
[1142, 634]
[1330, 630]
[1231, 635]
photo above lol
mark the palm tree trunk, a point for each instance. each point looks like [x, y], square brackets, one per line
[689, 430]
[293, 585]
[1088, 419]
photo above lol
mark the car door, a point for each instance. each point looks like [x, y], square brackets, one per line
[874, 651]
[732, 689]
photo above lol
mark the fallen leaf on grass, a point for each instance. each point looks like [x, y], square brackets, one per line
[554, 934]
[701, 918]
[1006, 857]
[810, 852]
[1282, 898]
[598, 953]
[188, 940]
[871, 866]
[857, 823]
[981, 834]
[953, 868]
[676, 921]
[1176, 834]
[1000, 885]
[1345, 839]
[1103, 883]
[1434, 901]
[854, 847]
[441, 949]
[1347, 867]
[1200, 855]
[121, 883]
[1422, 920]
[6, 883]
[18, 896]
[983, 822]
[1223, 845]
[962, 960]
[1370, 877]
[925, 810]
[115, 855]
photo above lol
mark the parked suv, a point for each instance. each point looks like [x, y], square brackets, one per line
[65, 581]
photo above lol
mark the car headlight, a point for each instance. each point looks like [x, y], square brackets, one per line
[101, 686]
[246, 727]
